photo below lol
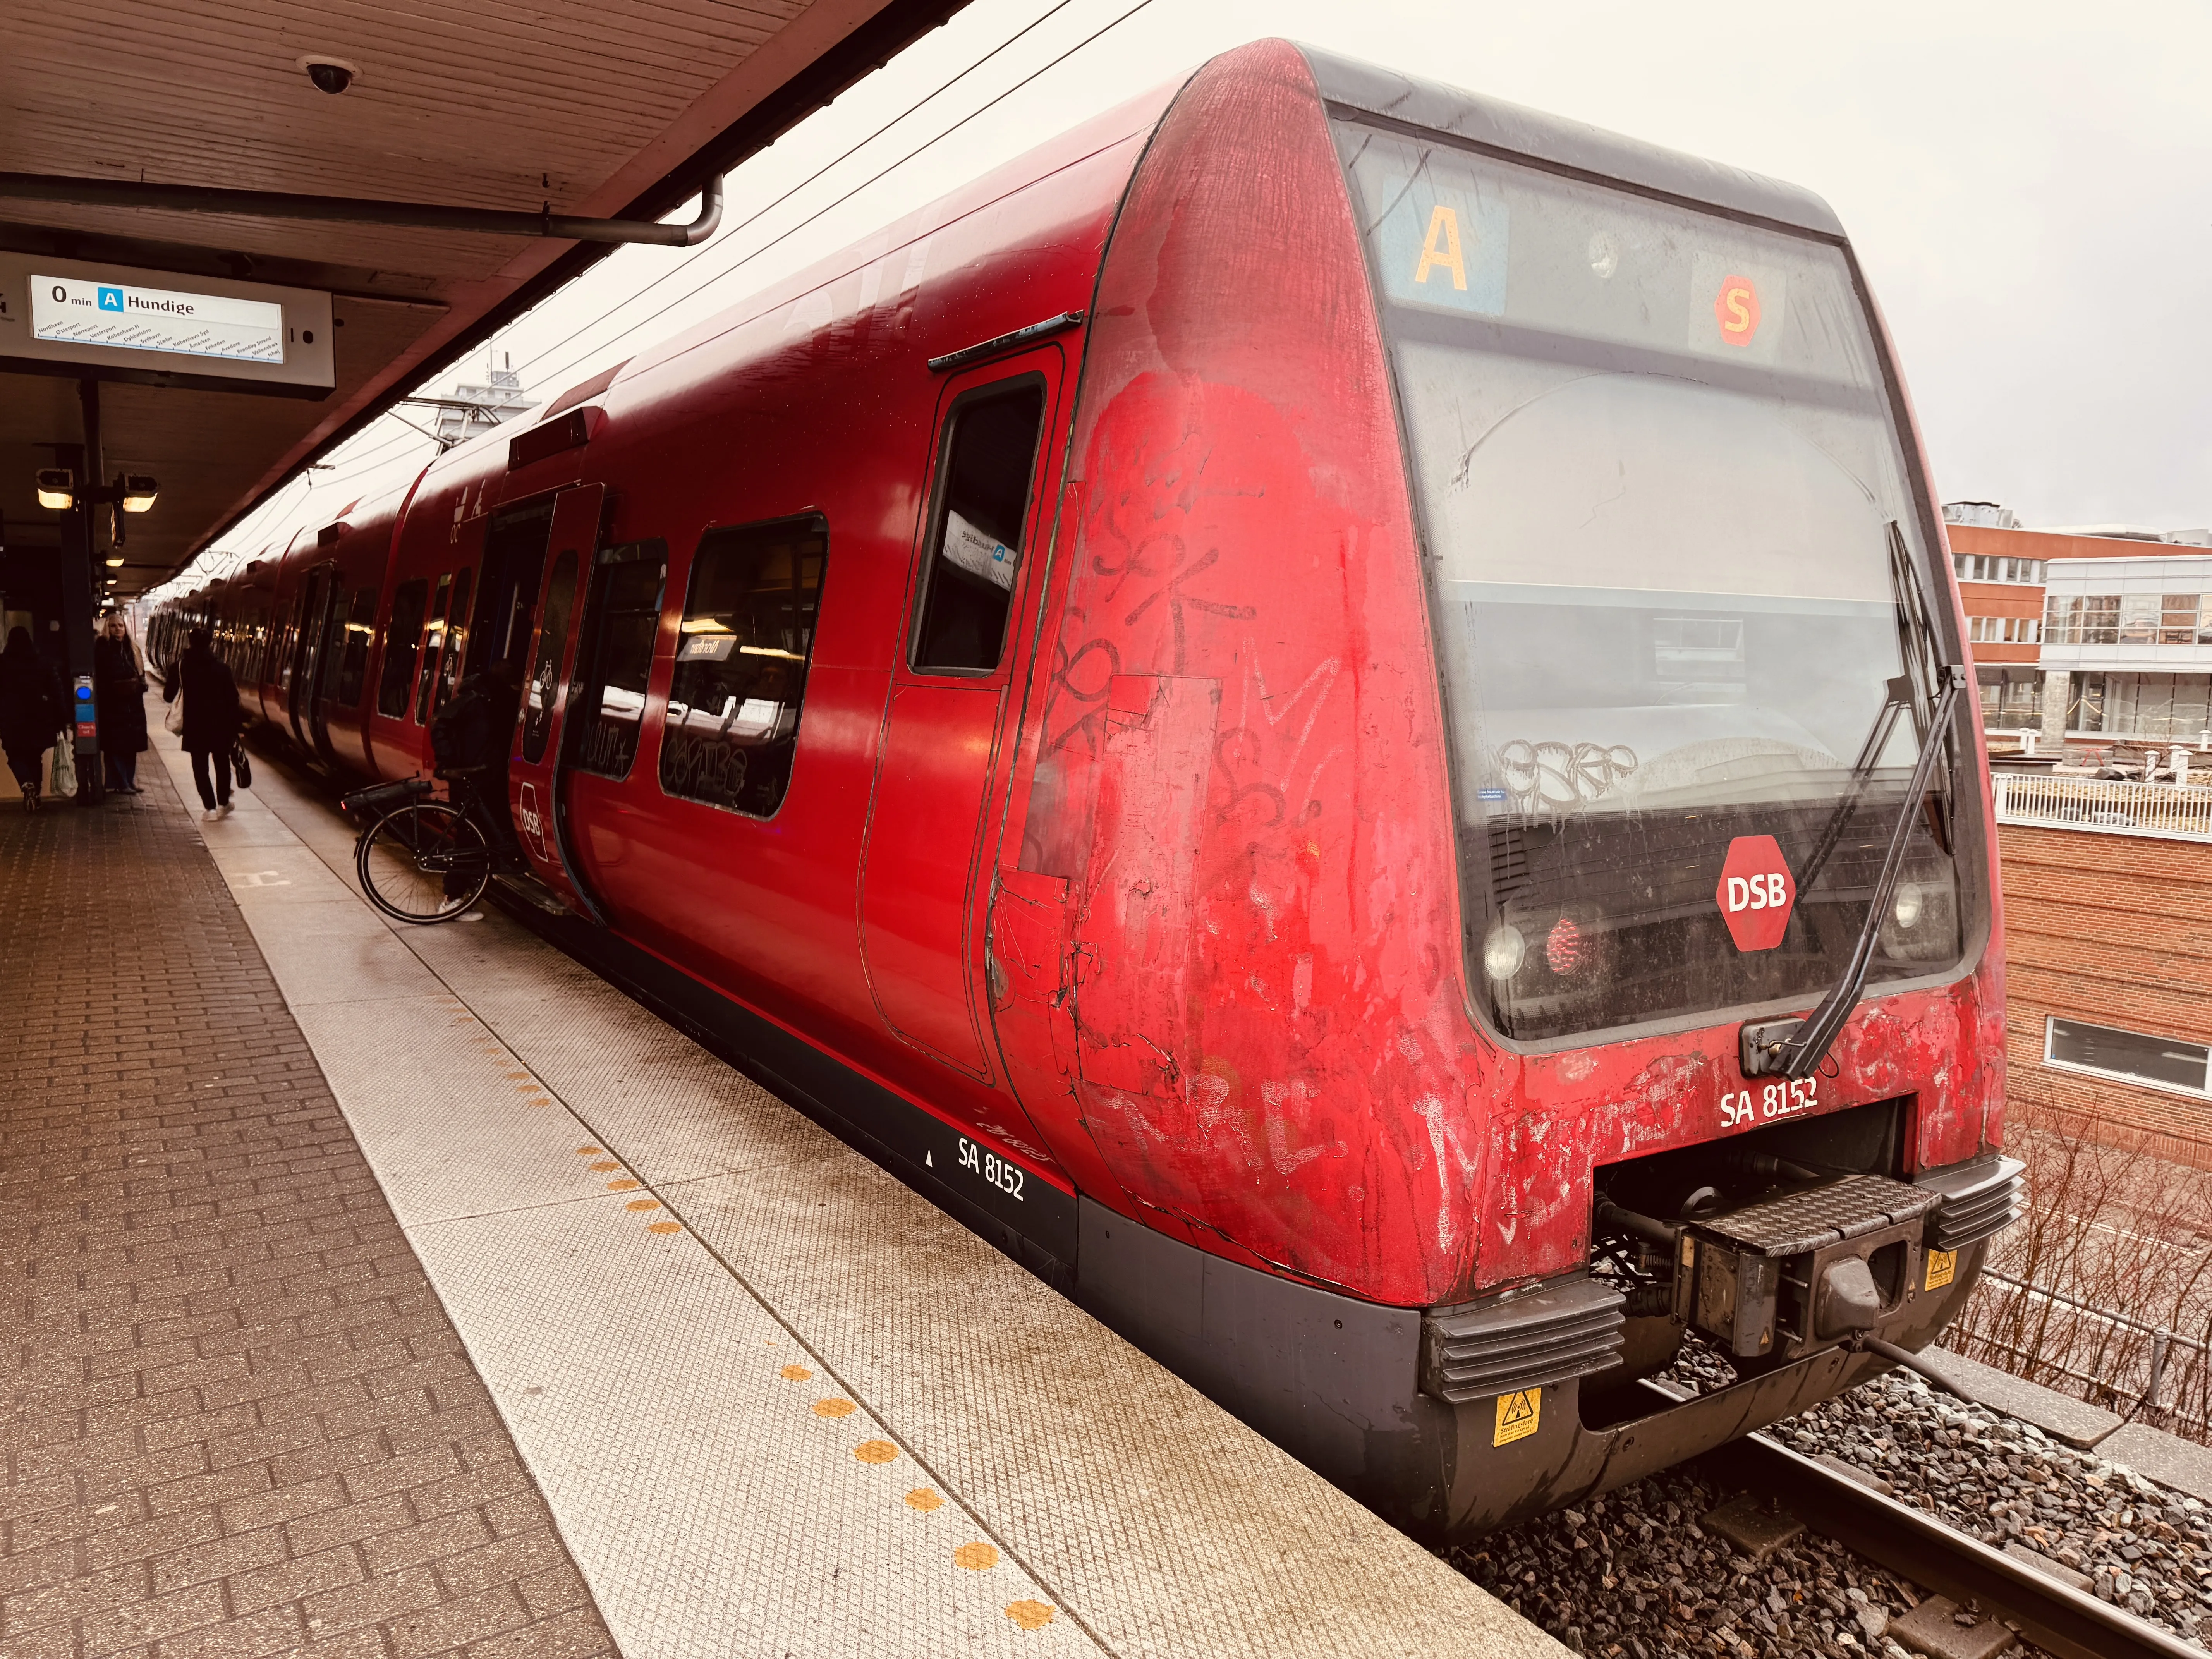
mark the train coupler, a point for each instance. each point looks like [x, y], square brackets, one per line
[1783, 1276]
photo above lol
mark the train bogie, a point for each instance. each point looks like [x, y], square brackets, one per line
[1264, 703]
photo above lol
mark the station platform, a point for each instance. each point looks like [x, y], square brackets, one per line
[410, 1291]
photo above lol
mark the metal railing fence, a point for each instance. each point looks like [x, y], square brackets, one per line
[2147, 1372]
[2167, 810]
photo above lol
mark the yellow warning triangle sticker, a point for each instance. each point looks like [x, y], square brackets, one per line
[1517, 1415]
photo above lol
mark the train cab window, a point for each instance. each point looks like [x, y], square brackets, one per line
[433, 641]
[747, 635]
[457, 641]
[353, 663]
[616, 658]
[975, 534]
[403, 647]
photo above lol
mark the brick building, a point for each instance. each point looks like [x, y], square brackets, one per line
[2109, 962]
[2096, 634]
[2093, 637]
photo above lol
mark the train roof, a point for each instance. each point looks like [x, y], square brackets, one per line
[1346, 85]
[1552, 141]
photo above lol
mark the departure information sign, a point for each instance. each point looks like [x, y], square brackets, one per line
[171, 327]
[95, 312]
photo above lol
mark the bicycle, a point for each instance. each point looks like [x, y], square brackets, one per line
[421, 860]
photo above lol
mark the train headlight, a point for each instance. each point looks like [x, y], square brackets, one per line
[1906, 907]
[1503, 951]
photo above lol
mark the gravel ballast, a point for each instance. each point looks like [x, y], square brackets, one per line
[1633, 1573]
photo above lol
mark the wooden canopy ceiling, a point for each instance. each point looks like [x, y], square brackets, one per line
[599, 108]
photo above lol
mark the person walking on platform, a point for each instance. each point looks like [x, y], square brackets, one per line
[119, 692]
[31, 711]
[212, 717]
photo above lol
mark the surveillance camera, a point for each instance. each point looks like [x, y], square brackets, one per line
[329, 75]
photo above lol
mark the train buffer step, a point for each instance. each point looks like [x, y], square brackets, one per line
[533, 891]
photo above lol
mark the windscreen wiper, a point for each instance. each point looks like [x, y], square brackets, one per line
[1793, 1049]
[1910, 692]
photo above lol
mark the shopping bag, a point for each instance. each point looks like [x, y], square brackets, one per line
[240, 767]
[64, 776]
[173, 721]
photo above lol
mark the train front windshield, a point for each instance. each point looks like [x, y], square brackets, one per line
[1669, 528]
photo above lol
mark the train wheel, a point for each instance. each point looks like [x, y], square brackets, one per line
[426, 862]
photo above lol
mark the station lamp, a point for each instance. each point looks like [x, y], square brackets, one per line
[114, 564]
[139, 492]
[57, 487]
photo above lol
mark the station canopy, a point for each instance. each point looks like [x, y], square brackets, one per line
[605, 109]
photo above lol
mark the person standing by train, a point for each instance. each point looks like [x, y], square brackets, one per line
[210, 717]
[119, 692]
[31, 711]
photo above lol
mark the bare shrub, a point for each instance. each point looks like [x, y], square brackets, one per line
[2128, 1237]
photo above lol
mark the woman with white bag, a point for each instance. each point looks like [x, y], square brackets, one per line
[203, 711]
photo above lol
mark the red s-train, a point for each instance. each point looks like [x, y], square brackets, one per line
[1285, 704]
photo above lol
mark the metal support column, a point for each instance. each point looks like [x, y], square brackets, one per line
[80, 594]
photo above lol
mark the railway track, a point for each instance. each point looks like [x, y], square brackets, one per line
[2055, 1617]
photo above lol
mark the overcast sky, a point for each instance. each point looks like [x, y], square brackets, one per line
[2026, 185]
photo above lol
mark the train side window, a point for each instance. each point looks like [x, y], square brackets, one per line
[353, 666]
[747, 636]
[975, 534]
[623, 620]
[403, 646]
[433, 641]
[457, 641]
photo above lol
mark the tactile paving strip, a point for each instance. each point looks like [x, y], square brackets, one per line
[1082, 1496]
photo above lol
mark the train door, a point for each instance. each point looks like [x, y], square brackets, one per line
[571, 540]
[921, 903]
[506, 596]
[341, 660]
[318, 604]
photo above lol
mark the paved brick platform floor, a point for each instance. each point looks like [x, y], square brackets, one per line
[236, 1419]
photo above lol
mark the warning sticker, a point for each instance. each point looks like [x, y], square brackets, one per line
[1943, 1265]
[1517, 1416]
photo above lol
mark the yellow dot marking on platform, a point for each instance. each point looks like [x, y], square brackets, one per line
[976, 1557]
[642, 1204]
[796, 1373]
[520, 1074]
[1029, 1615]
[834, 1408]
[665, 1227]
[540, 1101]
[590, 1152]
[924, 1499]
[875, 1451]
[603, 1167]
[624, 1186]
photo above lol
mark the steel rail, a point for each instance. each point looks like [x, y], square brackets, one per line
[1915, 1547]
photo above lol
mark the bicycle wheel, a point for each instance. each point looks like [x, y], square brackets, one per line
[425, 862]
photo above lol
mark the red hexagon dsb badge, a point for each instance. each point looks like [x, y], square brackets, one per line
[1756, 892]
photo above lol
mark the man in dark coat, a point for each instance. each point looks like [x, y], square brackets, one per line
[212, 717]
[119, 692]
[31, 711]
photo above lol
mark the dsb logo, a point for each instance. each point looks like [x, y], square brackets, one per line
[1755, 894]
